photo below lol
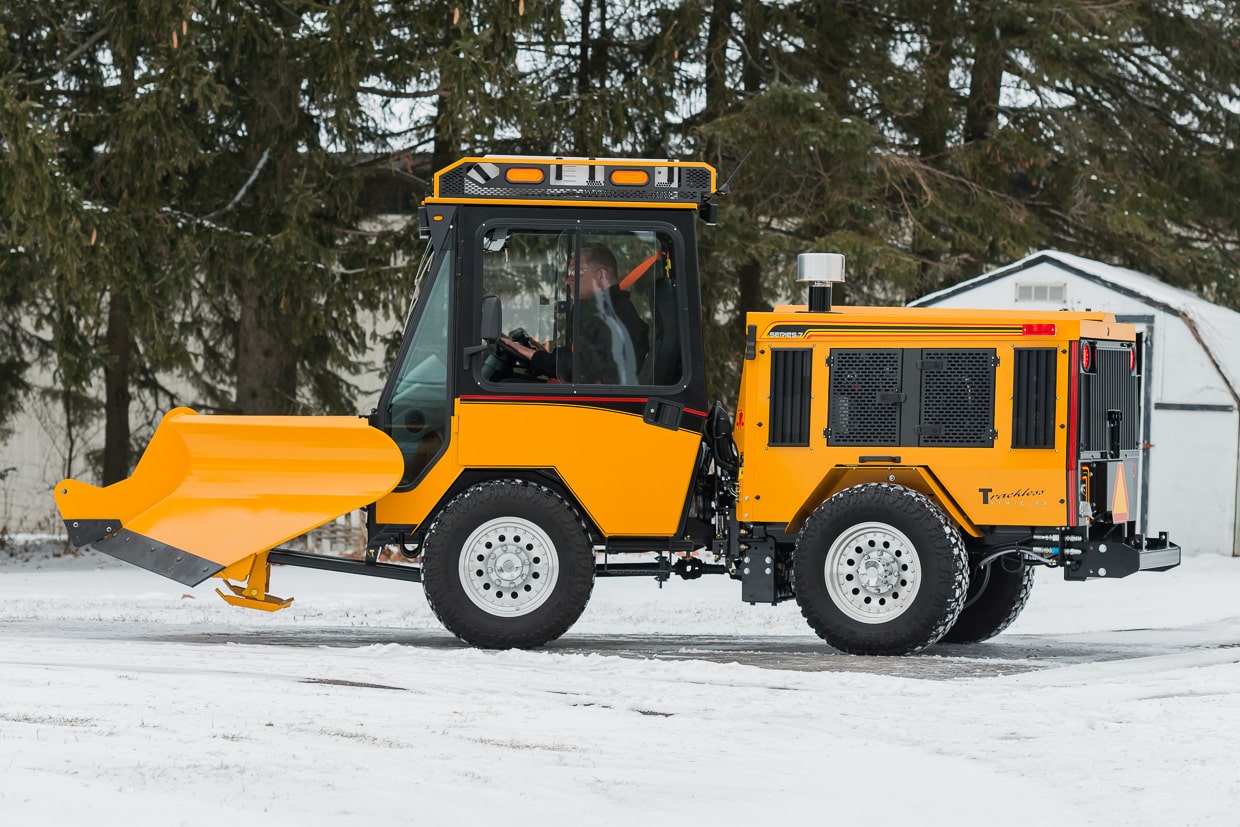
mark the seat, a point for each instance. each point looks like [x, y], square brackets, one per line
[663, 365]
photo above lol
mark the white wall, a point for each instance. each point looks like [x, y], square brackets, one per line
[37, 453]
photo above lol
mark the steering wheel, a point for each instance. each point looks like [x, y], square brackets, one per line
[506, 351]
[504, 360]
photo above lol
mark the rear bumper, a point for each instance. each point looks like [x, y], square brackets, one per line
[1107, 551]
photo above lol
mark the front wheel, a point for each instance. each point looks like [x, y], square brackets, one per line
[880, 570]
[507, 564]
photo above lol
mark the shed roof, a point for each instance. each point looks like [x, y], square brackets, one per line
[1217, 328]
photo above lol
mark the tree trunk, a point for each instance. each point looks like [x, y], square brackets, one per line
[267, 293]
[749, 294]
[581, 132]
[835, 53]
[749, 274]
[934, 120]
[716, 74]
[753, 18]
[266, 356]
[985, 84]
[118, 344]
[931, 129]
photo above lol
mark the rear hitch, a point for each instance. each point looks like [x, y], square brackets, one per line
[1109, 551]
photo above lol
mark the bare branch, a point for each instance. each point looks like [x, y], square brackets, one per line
[394, 93]
[241, 192]
[90, 41]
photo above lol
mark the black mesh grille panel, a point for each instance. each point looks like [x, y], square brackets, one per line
[1112, 387]
[1033, 398]
[696, 179]
[857, 415]
[790, 396]
[957, 398]
[452, 182]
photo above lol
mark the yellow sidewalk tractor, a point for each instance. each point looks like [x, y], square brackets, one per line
[899, 472]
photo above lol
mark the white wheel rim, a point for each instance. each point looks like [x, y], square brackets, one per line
[872, 573]
[509, 567]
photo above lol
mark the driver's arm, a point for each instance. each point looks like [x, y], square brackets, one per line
[526, 353]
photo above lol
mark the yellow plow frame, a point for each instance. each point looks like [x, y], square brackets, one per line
[212, 495]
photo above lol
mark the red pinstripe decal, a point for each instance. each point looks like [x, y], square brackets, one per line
[558, 398]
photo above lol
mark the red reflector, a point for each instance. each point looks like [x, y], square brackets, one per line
[1087, 356]
[1132, 360]
[1037, 330]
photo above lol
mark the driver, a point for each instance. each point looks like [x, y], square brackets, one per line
[611, 341]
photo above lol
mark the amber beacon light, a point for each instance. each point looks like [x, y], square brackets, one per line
[630, 177]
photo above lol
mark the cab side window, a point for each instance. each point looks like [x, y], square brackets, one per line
[597, 307]
[525, 268]
[419, 408]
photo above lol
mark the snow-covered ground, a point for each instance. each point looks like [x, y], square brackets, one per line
[126, 699]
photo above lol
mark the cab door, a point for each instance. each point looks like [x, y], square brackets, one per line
[417, 405]
[615, 409]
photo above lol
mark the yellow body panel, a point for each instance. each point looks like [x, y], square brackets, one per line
[631, 478]
[991, 486]
[227, 487]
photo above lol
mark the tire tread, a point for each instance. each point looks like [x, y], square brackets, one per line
[441, 581]
[896, 638]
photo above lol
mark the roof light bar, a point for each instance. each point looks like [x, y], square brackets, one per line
[589, 181]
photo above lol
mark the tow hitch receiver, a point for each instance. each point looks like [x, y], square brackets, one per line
[1114, 555]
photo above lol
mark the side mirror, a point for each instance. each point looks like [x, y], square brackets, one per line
[492, 325]
[492, 319]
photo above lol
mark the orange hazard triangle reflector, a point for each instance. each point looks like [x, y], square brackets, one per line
[1119, 498]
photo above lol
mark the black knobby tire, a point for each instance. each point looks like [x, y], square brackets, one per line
[997, 594]
[507, 564]
[880, 570]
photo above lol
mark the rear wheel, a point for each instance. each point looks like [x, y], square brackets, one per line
[507, 564]
[997, 593]
[880, 570]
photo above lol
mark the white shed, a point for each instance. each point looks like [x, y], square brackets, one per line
[1190, 469]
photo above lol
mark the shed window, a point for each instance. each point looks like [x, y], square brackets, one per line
[1041, 292]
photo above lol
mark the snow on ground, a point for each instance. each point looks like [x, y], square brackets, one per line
[1107, 703]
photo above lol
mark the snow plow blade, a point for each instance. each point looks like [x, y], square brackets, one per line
[211, 491]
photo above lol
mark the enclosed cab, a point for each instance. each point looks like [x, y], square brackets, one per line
[896, 471]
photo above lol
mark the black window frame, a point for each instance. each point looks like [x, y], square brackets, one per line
[579, 227]
[424, 288]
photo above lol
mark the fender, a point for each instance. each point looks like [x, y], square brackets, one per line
[916, 477]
